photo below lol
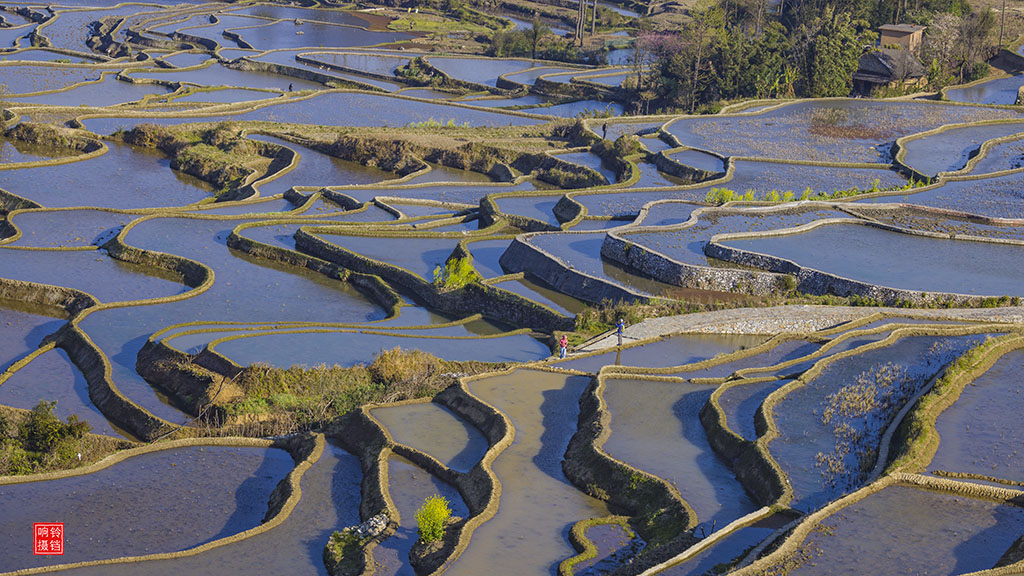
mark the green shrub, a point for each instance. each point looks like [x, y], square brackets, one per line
[457, 273]
[431, 518]
[43, 431]
[720, 196]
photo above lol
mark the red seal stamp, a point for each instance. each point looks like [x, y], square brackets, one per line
[48, 539]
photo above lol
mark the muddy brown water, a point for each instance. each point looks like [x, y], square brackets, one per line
[538, 504]
[656, 427]
[435, 430]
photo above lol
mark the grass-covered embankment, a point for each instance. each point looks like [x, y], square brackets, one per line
[278, 400]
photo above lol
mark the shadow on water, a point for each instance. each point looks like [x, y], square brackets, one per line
[560, 413]
[731, 505]
[38, 333]
[237, 522]
[341, 498]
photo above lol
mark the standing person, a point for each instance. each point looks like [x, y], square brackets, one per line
[619, 327]
[290, 86]
[563, 343]
[604, 131]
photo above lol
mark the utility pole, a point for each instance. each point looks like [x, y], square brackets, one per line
[593, 20]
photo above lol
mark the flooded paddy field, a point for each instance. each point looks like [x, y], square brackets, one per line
[284, 221]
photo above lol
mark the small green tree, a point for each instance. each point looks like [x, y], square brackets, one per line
[431, 518]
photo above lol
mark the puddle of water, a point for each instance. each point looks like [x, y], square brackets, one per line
[583, 107]
[669, 213]
[22, 79]
[614, 547]
[435, 430]
[227, 95]
[440, 173]
[594, 224]
[417, 255]
[214, 491]
[486, 254]
[318, 169]
[144, 180]
[799, 416]
[699, 160]
[278, 12]
[531, 76]
[410, 486]
[528, 100]
[1005, 156]
[999, 91]
[951, 149]
[287, 34]
[998, 197]
[590, 160]
[187, 60]
[788, 350]
[52, 377]
[566, 305]
[908, 261]
[480, 71]
[107, 93]
[656, 428]
[672, 351]
[836, 130]
[538, 504]
[40, 54]
[583, 251]
[938, 534]
[338, 109]
[347, 349]
[536, 207]
[24, 327]
[741, 402]
[979, 433]
[687, 245]
[725, 551]
[107, 279]
[14, 151]
[217, 74]
[330, 501]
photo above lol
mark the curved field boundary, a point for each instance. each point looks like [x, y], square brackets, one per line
[803, 527]
[900, 147]
[476, 490]
[585, 548]
[916, 440]
[289, 489]
[238, 108]
[663, 517]
[764, 418]
[99, 148]
[813, 281]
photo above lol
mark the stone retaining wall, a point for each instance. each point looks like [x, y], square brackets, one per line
[492, 302]
[521, 256]
[671, 271]
[811, 281]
